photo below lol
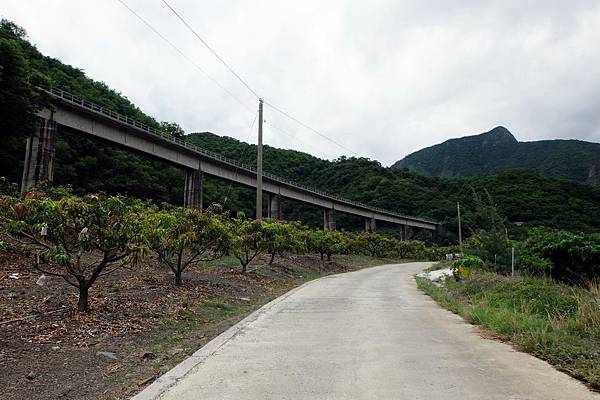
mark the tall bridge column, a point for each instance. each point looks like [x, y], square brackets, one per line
[192, 194]
[370, 225]
[328, 220]
[403, 232]
[274, 210]
[39, 155]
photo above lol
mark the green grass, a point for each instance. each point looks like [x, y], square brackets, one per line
[555, 322]
[224, 262]
[188, 320]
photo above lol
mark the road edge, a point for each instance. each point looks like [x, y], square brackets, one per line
[164, 382]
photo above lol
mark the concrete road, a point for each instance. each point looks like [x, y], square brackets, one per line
[363, 335]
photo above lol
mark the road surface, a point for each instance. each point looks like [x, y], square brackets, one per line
[369, 334]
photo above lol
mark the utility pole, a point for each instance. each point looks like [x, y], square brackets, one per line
[259, 162]
[512, 262]
[459, 228]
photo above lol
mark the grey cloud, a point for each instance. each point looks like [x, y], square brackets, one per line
[382, 77]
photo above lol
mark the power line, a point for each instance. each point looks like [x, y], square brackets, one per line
[296, 120]
[248, 86]
[211, 49]
[181, 53]
[236, 166]
[174, 47]
[191, 61]
[285, 132]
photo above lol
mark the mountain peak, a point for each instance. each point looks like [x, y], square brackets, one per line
[497, 150]
[500, 133]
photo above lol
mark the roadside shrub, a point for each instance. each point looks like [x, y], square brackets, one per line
[463, 267]
[438, 253]
[566, 256]
[413, 249]
[328, 243]
[492, 247]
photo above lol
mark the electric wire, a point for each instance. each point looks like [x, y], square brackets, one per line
[236, 167]
[211, 49]
[181, 53]
[296, 120]
[279, 110]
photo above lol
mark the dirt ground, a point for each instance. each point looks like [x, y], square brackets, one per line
[139, 326]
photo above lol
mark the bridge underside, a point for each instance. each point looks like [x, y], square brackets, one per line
[69, 117]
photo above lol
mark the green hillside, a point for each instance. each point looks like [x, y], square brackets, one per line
[523, 196]
[498, 150]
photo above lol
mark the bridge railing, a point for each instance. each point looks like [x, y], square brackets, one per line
[70, 98]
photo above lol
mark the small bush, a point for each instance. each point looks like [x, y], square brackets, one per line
[566, 256]
[463, 267]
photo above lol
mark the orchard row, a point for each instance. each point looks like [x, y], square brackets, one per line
[84, 238]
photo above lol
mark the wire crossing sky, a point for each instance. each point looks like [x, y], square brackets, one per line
[381, 79]
[279, 110]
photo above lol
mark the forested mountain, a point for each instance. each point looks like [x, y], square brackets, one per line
[89, 166]
[498, 150]
[523, 196]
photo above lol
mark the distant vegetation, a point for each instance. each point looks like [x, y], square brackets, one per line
[498, 150]
[522, 196]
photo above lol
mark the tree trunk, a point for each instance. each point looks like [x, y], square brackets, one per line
[244, 267]
[82, 305]
[272, 258]
[178, 278]
[328, 256]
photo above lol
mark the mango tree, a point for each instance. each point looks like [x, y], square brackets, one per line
[249, 240]
[283, 237]
[327, 243]
[78, 239]
[410, 249]
[376, 244]
[187, 237]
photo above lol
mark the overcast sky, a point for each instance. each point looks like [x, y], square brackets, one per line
[382, 77]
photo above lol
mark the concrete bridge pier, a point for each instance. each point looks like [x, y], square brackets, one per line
[403, 232]
[328, 220]
[192, 194]
[274, 209]
[370, 225]
[39, 155]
